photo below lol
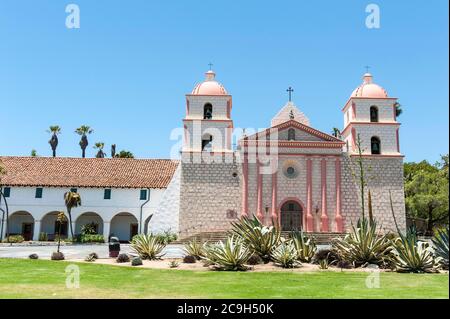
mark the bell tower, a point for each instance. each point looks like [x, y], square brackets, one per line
[207, 124]
[371, 114]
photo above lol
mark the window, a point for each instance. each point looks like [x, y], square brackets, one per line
[38, 192]
[207, 143]
[107, 194]
[73, 190]
[7, 191]
[375, 145]
[291, 134]
[143, 194]
[207, 111]
[373, 114]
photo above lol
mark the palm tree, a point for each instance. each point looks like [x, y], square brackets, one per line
[398, 109]
[60, 219]
[99, 146]
[3, 172]
[55, 130]
[336, 132]
[84, 131]
[72, 200]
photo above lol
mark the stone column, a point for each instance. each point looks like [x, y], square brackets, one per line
[324, 215]
[259, 204]
[244, 212]
[106, 229]
[274, 198]
[338, 216]
[36, 230]
[309, 202]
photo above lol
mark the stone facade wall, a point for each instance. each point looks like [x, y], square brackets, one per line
[386, 175]
[210, 196]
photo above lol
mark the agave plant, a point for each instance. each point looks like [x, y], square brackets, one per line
[304, 246]
[364, 245]
[412, 255]
[195, 248]
[285, 255]
[260, 239]
[440, 241]
[229, 255]
[147, 246]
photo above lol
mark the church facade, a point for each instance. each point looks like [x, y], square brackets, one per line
[290, 173]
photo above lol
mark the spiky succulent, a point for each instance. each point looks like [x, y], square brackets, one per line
[231, 254]
[147, 246]
[195, 248]
[285, 255]
[364, 245]
[304, 246]
[260, 239]
[440, 242]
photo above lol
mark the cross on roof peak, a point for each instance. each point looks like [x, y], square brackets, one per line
[290, 90]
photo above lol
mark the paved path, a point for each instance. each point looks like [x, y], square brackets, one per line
[77, 251]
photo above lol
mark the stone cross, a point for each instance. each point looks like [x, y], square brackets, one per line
[290, 90]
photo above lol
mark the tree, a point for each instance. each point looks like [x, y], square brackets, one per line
[61, 218]
[426, 191]
[398, 109]
[55, 130]
[99, 146]
[336, 132]
[72, 200]
[3, 172]
[33, 153]
[84, 131]
[124, 154]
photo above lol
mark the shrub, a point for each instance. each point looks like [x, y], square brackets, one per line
[260, 239]
[304, 246]
[189, 259]
[89, 229]
[285, 255]
[166, 237]
[174, 264]
[122, 258]
[92, 238]
[14, 239]
[440, 242]
[136, 261]
[412, 255]
[147, 246]
[254, 260]
[57, 256]
[91, 257]
[364, 245]
[229, 255]
[323, 264]
[43, 237]
[195, 248]
[33, 256]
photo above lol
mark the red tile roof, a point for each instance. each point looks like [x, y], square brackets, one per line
[88, 172]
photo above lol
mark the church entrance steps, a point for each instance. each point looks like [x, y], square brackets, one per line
[320, 238]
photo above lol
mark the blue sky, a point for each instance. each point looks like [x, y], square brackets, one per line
[126, 70]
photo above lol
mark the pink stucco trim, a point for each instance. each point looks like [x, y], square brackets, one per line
[274, 197]
[291, 144]
[259, 204]
[338, 216]
[353, 139]
[353, 110]
[398, 140]
[324, 215]
[245, 187]
[352, 123]
[309, 203]
[346, 105]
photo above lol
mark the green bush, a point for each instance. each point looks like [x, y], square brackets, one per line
[43, 237]
[285, 255]
[14, 239]
[304, 246]
[166, 237]
[148, 246]
[94, 238]
[229, 255]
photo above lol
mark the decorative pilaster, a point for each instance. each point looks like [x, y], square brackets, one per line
[259, 204]
[244, 212]
[274, 197]
[309, 203]
[338, 216]
[324, 215]
[36, 230]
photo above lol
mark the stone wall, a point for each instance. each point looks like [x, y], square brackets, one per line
[386, 174]
[210, 196]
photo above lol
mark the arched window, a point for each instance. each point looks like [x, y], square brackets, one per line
[373, 114]
[291, 134]
[207, 111]
[207, 143]
[375, 145]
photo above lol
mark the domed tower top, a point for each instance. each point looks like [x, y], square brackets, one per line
[210, 86]
[368, 89]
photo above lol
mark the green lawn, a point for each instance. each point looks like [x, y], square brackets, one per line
[46, 279]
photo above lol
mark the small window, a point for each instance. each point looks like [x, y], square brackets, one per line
[207, 143]
[143, 194]
[39, 192]
[73, 190]
[373, 114]
[375, 145]
[7, 191]
[207, 111]
[107, 194]
[291, 134]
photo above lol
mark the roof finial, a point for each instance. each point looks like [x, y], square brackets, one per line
[367, 68]
[210, 66]
[290, 90]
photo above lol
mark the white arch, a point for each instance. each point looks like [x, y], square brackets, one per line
[124, 225]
